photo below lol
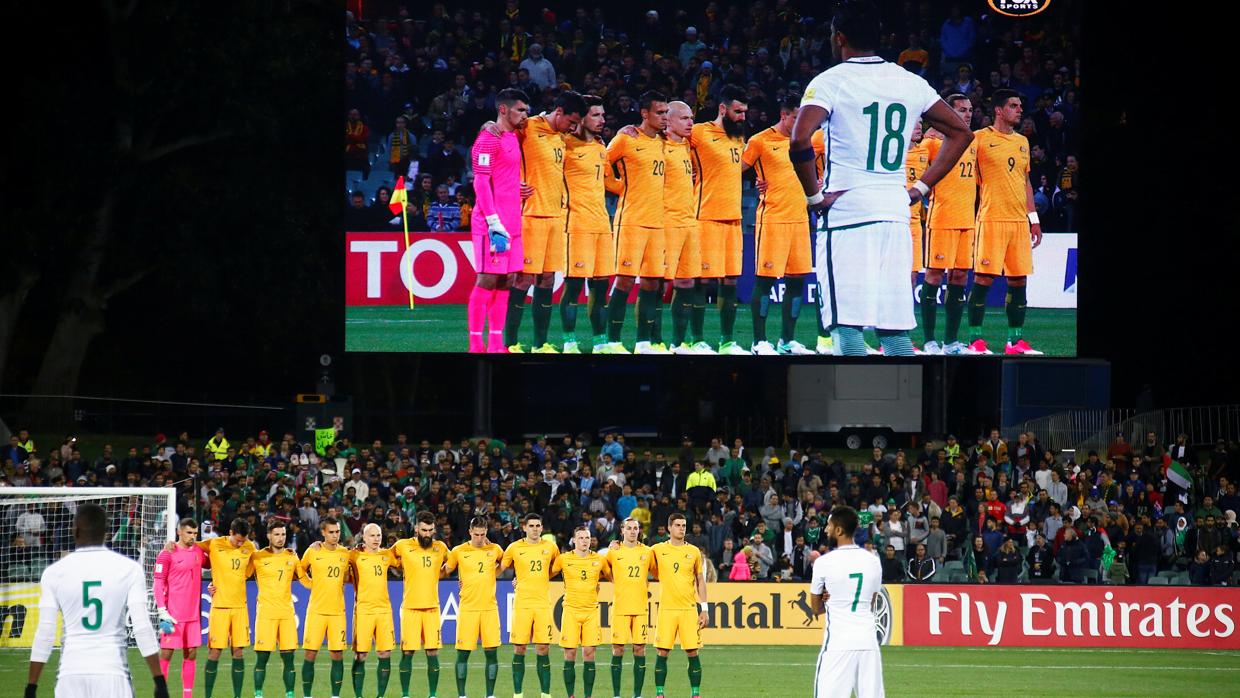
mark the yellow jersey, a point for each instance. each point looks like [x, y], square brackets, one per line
[784, 200]
[637, 163]
[581, 575]
[542, 167]
[274, 573]
[327, 569]
[422, 569]
[717, 160]
[585, 166]
[532, 563]
[1003, 173]
[915, 163]
[370, 571]
[477, 568]
[678, 201]
[230, 566]
[953, 201]
[630, 577]
[678, 570]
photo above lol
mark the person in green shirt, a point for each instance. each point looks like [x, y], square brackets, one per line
[730, 471]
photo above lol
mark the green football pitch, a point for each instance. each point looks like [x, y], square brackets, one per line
[441, 328]
[783, 672]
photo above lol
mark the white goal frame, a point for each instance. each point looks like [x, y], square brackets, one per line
[168, 493]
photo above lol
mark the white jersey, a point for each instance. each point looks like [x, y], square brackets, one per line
[94, 589]
[853, 577]
[872, 107]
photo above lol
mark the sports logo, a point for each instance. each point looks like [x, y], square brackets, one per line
[1019, 8]
[883, 617]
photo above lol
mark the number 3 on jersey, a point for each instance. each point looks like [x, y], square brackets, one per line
[895, 116]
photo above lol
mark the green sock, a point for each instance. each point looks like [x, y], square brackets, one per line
[512, 323]
[542, 315]
[760, 305]
[568, 308]
[727, 312]
[385, 674]
[697, 321]
[212, 668]
[929, 309]
[656, 330]
[462, 671]
[358, 672]
[432, 674]
[307, 676]
[617, 306]
[260, 670]
[977, 309]
[639, 673]
[596, 304]
[790, 308]
[617, 667]
[682, 308]
[337, 675]
[492, 660]
[518, 672]
[238, 675]
[290, 674]
[953, 310]
[646, 301]
[660, 674]
[823, 330]
[587, 677]
[570, 677]
[1015, 303]
[406, 671]
[543, 662]
[695, 674]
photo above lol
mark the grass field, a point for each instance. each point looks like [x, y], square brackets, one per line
[783, 672]
[440, 328]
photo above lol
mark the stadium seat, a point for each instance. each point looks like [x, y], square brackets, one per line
[1091, 576]
[1181, 579]
[1159, 581]
[953, 565]
[1169, 574]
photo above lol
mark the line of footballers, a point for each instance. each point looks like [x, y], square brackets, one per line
[677, 229]
[422, 561]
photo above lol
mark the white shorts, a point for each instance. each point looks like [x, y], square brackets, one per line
[863, 276]
[840, 672]
[93, 686]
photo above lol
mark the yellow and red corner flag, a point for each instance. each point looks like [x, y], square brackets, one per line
[398, 202]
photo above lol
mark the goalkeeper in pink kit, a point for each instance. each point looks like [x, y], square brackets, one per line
[496, 221]
[178, 593]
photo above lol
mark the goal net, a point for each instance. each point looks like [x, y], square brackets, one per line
[36, 529]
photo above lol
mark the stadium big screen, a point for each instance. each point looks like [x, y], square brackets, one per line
[620, 180]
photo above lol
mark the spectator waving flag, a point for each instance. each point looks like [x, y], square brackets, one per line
[1178, 474]
[397, 203]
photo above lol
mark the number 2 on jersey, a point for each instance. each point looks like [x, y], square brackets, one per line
[894, 118]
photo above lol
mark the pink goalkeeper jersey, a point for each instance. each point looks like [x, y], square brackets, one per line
[497, 160]
[178, 582]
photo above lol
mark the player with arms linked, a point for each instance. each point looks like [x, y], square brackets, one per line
[682, 603]
[477, 563]
[421, 560]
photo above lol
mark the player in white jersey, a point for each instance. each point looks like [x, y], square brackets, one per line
[867, 109]
[94, 590]
[844, 584]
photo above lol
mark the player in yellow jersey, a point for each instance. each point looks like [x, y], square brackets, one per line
[372, 609]
[228, 625]
[916, 160]
[681, 231]
[478, 618]
[275, 622]
[950, 232]
[1007, 223]
[531, 558]
[421, 561]
[631, 564]
[636, 159]
[327, 563]
[682, 603]
[543, 217]
[591, 244]
[781, 231]
[581, 570]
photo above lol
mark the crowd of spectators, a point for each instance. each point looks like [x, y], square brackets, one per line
[418, 87]
[991, 511]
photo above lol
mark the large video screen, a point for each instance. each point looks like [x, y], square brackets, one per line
[638, 196]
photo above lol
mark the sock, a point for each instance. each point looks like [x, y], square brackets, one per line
[849, 340]
[163, 665]
[385, 674]
[697, 322]
[790, 309]
[568, 308]
[432, 674]
[512, 323]
[518, 672]
[660, 674]
[977, 309]
[290, 674]
[760, 305]
[493, 669]
[337, 675]
[260, 670]
[358, 672]
[477, 315]
[307, 676]
[823, 330]
[682, 308]
[656, 329]
[929, 309]
[1015, 303]
[212, 667]
[639, 673]
[543, 662]
[617, 306]
[896, 343]
[570, 677]
[695, 674]
[953, 310]
[497, 317]
[587, 677]
[596, 304]
[727, 312]
[462, 670]
[238, 675]
[189, 667]
[406, 672]
[617, 666]
[542, 315]
[646, 301]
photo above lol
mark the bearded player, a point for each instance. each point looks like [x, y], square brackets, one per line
[421, 560]
[275, 622]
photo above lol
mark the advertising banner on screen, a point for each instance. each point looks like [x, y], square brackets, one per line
[1071, 616]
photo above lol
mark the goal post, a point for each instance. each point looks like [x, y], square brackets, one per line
[36, 529]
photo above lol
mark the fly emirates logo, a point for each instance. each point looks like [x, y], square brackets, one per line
[1032, 615]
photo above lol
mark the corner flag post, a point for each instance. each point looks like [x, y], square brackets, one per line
[398, 204]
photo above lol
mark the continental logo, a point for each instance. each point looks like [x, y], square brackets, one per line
[1019, 8]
